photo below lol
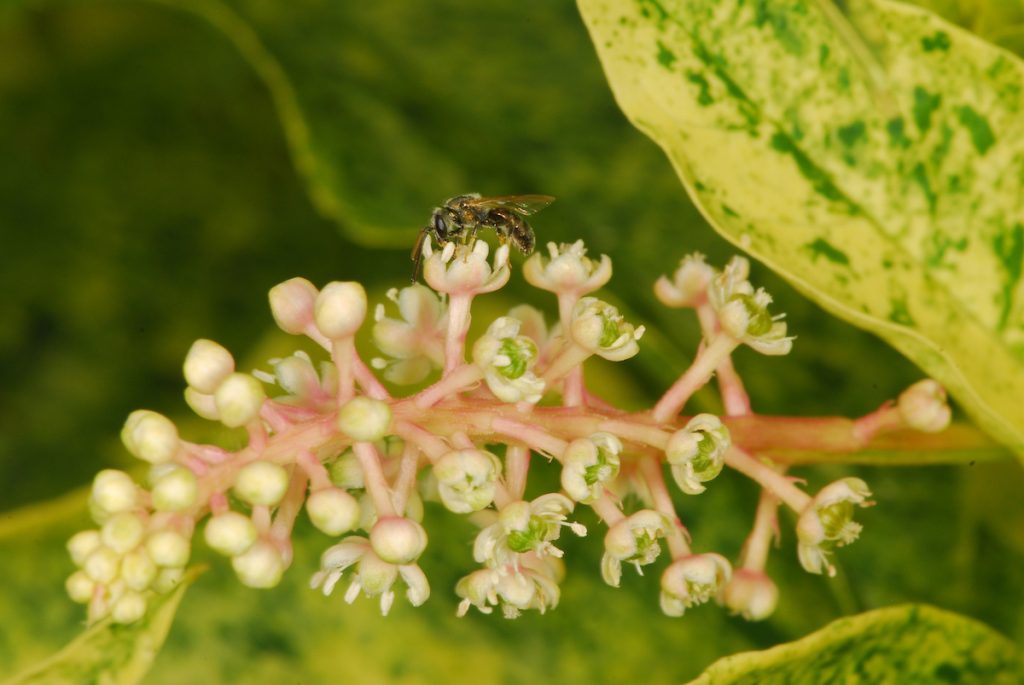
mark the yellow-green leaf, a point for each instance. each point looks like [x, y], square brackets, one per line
[905, 644]
[877, 167]
[109, 653]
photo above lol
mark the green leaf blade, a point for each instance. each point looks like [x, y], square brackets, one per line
[892, 201]
[904, 644]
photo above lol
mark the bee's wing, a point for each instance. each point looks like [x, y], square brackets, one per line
[520, 204]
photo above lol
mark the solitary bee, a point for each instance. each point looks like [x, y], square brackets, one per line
[463, 215]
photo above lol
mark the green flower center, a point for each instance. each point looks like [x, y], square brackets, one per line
[521, 351]
[760, 322]
[611, 331]
[525, 540]
[835, 517]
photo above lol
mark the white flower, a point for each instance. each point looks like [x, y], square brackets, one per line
[599, 328]
[207, 364]
[150, 436]
[525, 527]
[463, 269]
[743, 313]
[923, 407]
[297, 377]
[751, 594]
[532, 584]
[691, 581]
[506, 359]
[340, 309]
[589, 465]
[371, 575]
[827, 523]
[416, 341]
[696, 453]
[467, 479]
[689, 284]
[365, 419]
[634, 540]
[568, 270]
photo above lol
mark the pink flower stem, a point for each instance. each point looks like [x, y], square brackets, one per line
[730, 385]
[287, 512]
[373, 477]
[694, 378]
[458, 326]
[367, 380]
[219, 503]
[319, 478]
[452, 382]
[517, 467]
[569, 358]
[885, 419]
[406, 479]
[343, 352]
[573, 389]
[257, 435]
[275, 419]
[655, 480]
[261, 517]
[607, 510]
[531, 436]
[755, 550]
[428, 443]
[647, 435]
[770, 479]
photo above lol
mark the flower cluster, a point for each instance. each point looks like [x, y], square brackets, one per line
[332, 438]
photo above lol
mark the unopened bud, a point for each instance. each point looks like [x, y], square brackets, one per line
[168, 548]
[137, 570]
[102, 565]
[129, 608]
[340, 309]
[207, 364]
[398, 540]
[79, 587]
[292, 304]
[114, 491]
[262, 483]
[175, 490]
[150, 436]
[260, 567]
[923, 407]
[238, 399]
[230, 533]
[123, 531]
[333, 511]
[364, 419]
[82, 544]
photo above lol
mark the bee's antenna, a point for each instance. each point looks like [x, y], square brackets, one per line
[417, 254]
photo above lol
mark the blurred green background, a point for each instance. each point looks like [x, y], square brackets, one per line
[164, 163]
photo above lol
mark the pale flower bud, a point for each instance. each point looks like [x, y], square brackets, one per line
[568, 270]
[689, 284]
[168, 548]
[238, 399]
[204, 406]
[696, 453]
[346, 471]
[167, 579]
[102, 565]
[123, 531]
[292, 304]
[261, 566]
[150, 436]
[923, 407]
[129, 608]
[691, 581]
[114, 491]
[230, 533]
[827, 523]
[207, 364]
[176, 490]
[261, 483]
[296, 376]
[333, 511]
[467, 479]
[589, 465]
[340, 309]
[506, 359]
[79, 587]
[599, 328]
[137, 570]
[751, 594]
[398, 540]
[82, 544]
[364, 419]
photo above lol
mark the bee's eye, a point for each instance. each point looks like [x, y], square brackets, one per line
[440, 227]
